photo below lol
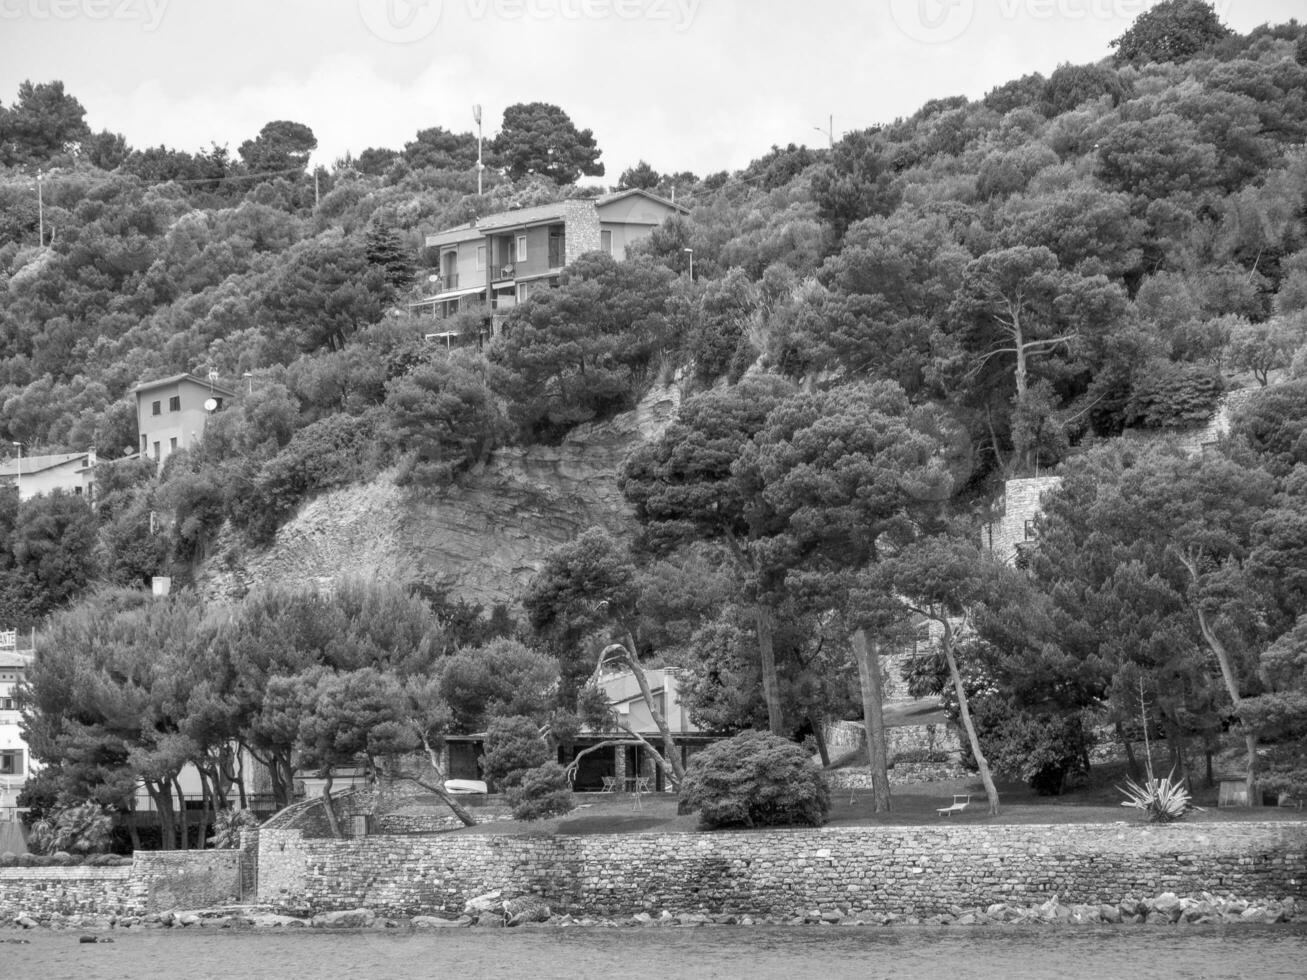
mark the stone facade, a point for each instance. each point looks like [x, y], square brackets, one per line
[582, 229]
[900, 870]
[1018, 508]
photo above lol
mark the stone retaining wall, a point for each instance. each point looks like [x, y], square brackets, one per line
[900, 870]
[61, 892]
[153, 882]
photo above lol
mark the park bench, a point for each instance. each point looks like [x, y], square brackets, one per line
[960, 802]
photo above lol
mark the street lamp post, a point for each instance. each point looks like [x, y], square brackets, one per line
[691, 254]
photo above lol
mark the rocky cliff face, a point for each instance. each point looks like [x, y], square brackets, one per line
[483, 538]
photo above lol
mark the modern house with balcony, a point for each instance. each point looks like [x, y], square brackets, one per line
[497, 261]
[171, 412]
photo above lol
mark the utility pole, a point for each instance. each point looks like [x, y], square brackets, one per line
[316, 197]
[40, 212]
[476, 114]
[20, 469]
[829, 130]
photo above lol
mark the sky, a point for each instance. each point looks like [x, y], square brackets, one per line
[700, 85]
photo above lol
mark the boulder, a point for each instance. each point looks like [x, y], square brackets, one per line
[526, 908]
[489, 902]
[345, 919]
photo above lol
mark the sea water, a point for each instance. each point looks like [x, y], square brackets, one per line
[755, 953]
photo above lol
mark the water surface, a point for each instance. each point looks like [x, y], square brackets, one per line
[756, 953]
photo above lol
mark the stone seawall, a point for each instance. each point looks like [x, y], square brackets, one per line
[153, 882]
[899, 870]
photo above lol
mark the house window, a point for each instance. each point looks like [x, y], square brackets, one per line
[175, 403]
[156, 450]
[523, 291]
[8, 703]
[156, 408]
[606, 242]
[77, 491]
[521, 248]
[172, 444]
[481, 257]
[1030, 530]
[11, 762]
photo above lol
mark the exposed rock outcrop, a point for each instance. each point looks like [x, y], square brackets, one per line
[483, 538]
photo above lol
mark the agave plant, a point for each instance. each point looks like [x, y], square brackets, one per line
[1162, 800]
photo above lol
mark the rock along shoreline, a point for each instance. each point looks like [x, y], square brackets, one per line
[1167, 909]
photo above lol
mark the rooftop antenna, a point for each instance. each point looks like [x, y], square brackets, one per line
[476, 114]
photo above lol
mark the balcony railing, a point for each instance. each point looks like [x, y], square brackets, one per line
[448, 283]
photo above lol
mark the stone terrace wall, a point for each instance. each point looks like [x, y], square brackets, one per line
[905, 870]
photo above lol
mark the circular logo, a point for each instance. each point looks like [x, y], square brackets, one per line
[400, 21]
[933, 21]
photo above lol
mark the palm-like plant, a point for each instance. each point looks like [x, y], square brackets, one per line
[1162, 800]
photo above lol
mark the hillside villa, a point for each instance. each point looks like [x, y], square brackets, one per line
[34, 475]
[496, 261]
[171, 412]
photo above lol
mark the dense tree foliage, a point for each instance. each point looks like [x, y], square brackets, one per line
[868, 340]
[540, 139]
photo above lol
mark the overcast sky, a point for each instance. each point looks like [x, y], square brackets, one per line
[698, 85]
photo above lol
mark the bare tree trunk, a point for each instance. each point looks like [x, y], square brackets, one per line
[819, 736]
[873, 718]
[208, 800]
[1232, 687]
[1126, 744]
[965, 711]
[330, 805]
[767, 661]
[438, 787]
[161, 794]
[676, 771]
[185, 835]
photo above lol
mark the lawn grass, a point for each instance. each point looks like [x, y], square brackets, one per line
[915, 804]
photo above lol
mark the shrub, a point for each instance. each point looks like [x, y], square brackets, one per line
[227, 828]
[82, 829]
[513, 745]
[1174, 395]
[756, 779]
[542, 792]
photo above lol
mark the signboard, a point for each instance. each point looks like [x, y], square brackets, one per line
[8, 639]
